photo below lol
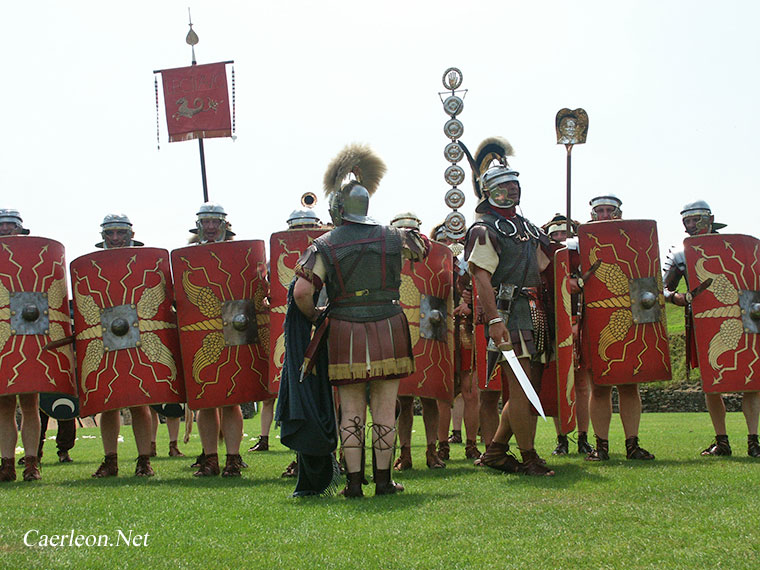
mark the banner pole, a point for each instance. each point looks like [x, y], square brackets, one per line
[203, 170]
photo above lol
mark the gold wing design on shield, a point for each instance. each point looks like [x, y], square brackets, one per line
[727, 339]
[208, 354]
[611, 275]
[87, 306]
[615, 331]
[56, 293]
[202, 297]
[284, 273]
[721, 287]
[151, 299]
[410, 300]
[156, 351]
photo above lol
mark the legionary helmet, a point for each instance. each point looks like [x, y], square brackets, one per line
[706, 222]
[559, 224]
[606, 200]
[212, 211]
[490, 168]
[406, 220]
[10, 216]
[351, 178]
[116, 222]
[305, 217]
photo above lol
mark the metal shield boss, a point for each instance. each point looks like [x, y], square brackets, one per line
[558, 380]
[34, 310]
[727, 313]
[220, 290]
[126, 332]
[285, 248]
[625, 320]
[427, 297]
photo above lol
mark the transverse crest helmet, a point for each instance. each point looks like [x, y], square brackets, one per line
[351, 178]
[491, 168]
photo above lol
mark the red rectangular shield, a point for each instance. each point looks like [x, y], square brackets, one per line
[423, 284]
[137, 364]
[284, 250]
[197, 102]
[624, 305]
[34, 310]
[727, 313]
[220, 290]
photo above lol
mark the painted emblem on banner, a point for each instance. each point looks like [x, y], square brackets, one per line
[727, 313]
[427, 297]
[625, 308]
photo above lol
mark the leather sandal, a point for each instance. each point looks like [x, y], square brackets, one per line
[718, 447]
[198, 461]
[533, 465]
[432, 459]
[261, 445]
[143, 468]
[353, 489]
[404, 460]
[456, 436]
[562, 445]
[109, 467]
[174, 449]
[584, 447]
[384, 485]
[497, 456]
[7, 469]
[634, 451]
[210, 467]
[291, 470]
[602, 451]
[753, 446]
[471, 450]
[444, 451]
[64, 457]
[31, 468]
[232, 467]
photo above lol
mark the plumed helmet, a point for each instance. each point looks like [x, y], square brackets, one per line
[351, 178]
[9, 215]
[406, 220]
[606, 200]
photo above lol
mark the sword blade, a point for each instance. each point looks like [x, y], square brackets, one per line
[524, 381]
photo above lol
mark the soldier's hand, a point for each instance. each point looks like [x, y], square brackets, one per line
[498, 332]
[679, 299]
[462, 310]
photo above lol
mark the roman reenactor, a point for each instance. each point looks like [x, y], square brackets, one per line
[698, 220]
[505, 257]
[369, 348]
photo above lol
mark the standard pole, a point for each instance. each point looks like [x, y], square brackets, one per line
[569, 169]
[203, 170]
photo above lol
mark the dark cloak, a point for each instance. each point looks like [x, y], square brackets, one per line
[305, 409]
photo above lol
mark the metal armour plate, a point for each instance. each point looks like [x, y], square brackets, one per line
[239, 322]
[749, 301]
[433, 318]
[645, 304]
[120, 327]
[29, 313]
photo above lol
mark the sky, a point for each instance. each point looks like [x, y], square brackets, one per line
[670, 88]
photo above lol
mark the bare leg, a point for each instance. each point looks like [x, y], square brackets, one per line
[470, 406]
[172, 425]
[516, 417]
[751, 409]
[30, 422]
[601, 410]
[489, 414]
[582, 398]
[430, 419]
[208, 429]
[458, 411]
[444, 419]
[405, 420]
[141, 428]
[267, 416]
[383, 406]
[630, 408]
[232, 428]
[8, 429]
[353, 404]
[717, 410]
[110, 424]
[154, 423]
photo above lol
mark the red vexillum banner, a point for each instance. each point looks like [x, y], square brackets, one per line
[197, 102]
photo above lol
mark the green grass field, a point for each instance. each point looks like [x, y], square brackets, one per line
[680, 511]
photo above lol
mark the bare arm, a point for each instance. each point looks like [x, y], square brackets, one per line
[303, 295]
[497, 331]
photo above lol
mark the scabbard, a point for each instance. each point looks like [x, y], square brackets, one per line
[317, 343]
